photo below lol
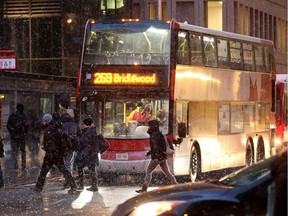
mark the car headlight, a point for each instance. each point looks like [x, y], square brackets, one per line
[156, 208]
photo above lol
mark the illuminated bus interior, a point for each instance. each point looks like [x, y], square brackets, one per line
[111, 117]
[145, 43]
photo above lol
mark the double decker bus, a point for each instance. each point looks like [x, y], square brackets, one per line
[281, 114]
[212, 90]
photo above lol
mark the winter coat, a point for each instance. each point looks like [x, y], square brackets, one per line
[157, 145]
[89, 148]
[71, 127]
[52, 140]
[1, 148]
[17, 125]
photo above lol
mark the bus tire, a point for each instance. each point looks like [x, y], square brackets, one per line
[260, 155]
[195, 164]
[249, 152]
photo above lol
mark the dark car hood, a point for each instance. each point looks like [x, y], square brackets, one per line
[191, 190]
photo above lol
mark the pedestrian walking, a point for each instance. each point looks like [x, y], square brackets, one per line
[87, 156]
[54, 154]
[33, 135]
[70, 126]
[158, 155]
[1, 156]
[17, 126]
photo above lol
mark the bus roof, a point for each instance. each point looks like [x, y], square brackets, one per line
[224, 34]
[132, 25]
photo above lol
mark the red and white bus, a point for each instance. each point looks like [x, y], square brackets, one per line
[281, 130]
[214, 90]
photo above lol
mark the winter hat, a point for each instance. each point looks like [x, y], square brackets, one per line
[20, 107]
[47, 117]
[88, 121]
[153, 124]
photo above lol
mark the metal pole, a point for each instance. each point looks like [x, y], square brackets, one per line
[159, 9]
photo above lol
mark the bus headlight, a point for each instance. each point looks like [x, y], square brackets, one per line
[278, 142]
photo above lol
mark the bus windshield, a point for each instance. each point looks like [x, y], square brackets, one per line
[126, 119]
[145, 43]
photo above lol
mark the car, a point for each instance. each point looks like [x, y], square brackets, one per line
[243, 192]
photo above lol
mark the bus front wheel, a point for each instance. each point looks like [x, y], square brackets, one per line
[195, 164]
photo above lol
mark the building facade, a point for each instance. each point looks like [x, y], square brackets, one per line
[46, 37]
[265, 19]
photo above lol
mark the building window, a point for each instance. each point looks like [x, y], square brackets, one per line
[153, 11]
[214, 9]
[281, 34]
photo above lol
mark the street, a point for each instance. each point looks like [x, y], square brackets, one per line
[17, 198]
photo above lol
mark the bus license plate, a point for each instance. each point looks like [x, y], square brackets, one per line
[121, 156]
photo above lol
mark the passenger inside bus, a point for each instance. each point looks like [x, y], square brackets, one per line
[135, 115]
[146, 115]
[161, 117]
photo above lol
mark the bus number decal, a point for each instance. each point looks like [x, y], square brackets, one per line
[103, 78]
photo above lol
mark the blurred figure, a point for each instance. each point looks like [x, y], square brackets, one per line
[146, 114]
[54, 154]
[70, 126]
[17, 126]
[33, 135]
[161, 117]
[135, 115]
[158, 156]
[1, 156]
[87, 156]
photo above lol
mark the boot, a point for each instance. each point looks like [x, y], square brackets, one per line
[93, 186]
[80, 184]
[142, 190]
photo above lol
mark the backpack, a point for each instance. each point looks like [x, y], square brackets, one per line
[51, 140]
[69, 136]
[103, 143]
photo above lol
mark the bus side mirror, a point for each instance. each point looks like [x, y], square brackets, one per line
[182, 130]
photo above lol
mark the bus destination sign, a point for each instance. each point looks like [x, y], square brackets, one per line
[106, 78]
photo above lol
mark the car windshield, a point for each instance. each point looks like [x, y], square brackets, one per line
[248, 175]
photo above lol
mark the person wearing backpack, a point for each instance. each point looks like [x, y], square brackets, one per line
[158, 155]
[1, 156]
[17, 126]
[87, 156]
[54, 154]
[70, 127]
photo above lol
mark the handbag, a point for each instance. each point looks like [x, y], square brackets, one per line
[103, 143]
[169, 148]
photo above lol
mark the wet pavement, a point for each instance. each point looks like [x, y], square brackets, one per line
[17, 198]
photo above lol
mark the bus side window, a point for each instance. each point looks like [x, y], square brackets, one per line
[235, 55]
[196, 49]
[222, 52]
[183, 55]
[210, 51]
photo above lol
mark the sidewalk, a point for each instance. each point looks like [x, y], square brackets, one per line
[13, 178]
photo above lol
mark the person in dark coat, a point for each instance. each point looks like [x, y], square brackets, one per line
[68, 122]
[279, 174]
[158, 155]
[17, 126]
[1, 156]
[53, 154]
[87, 156]
[33, 135]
